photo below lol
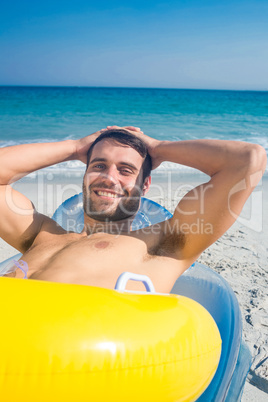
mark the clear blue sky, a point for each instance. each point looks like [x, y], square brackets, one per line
[213, 44]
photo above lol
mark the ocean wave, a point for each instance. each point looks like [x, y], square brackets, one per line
[170, 166]
[77, 167]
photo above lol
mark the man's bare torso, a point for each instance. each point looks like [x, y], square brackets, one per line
[97, 260]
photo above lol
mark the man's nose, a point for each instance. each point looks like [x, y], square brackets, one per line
[111, 174]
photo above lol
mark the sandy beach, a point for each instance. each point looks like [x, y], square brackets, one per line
[240, 256]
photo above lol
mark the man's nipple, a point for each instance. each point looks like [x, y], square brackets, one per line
[102, 244]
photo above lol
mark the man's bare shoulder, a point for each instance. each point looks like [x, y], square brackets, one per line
[50, 227]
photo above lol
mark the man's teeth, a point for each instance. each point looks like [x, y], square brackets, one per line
[107, 194]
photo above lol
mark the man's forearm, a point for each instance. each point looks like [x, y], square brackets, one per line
[208, 156]
[19, 160]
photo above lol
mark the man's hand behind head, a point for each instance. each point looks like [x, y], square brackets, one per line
[83, 144]
[150, 142]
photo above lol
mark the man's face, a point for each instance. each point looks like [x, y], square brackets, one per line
[112, 184]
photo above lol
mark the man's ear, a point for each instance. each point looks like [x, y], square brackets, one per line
[146, 185]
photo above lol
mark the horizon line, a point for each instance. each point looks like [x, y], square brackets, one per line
[127, 87]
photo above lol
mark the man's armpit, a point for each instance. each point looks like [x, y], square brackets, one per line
[171, 241]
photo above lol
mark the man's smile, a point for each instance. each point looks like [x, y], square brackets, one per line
[108, 194]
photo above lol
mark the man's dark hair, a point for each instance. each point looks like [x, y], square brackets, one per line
[123, 137]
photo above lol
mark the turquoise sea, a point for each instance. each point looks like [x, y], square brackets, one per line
[39, 114]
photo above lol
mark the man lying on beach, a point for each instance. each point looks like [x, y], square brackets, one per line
[118, 169]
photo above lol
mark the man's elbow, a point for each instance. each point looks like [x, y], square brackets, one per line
[257, 158]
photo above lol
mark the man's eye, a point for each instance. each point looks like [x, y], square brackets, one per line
[99, 166]
[126, 171]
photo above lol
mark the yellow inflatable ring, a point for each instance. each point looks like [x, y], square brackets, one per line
[62, 342]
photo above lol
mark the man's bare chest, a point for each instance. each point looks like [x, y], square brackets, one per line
[98, 260]
[94, 260]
